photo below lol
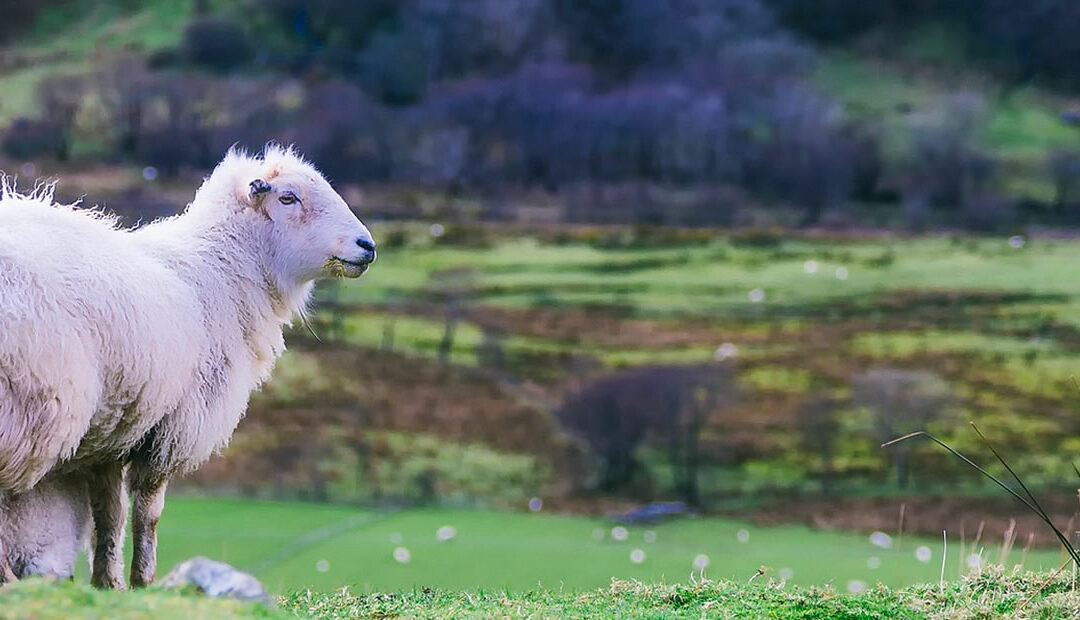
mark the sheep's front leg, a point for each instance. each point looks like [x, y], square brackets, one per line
[108, 505]
[148, 495]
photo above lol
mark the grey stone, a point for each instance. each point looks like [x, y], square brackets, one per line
[216, 579]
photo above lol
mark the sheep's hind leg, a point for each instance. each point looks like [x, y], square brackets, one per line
[148, 501]
[6, 574]
[108, 505]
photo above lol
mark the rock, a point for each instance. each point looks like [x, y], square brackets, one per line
[216, 579]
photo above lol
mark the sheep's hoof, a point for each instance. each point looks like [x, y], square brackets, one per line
[139, 582]
[108, 583]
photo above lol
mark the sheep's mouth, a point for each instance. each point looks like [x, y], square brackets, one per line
[341, 268]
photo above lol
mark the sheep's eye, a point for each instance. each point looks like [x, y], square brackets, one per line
[288, 198]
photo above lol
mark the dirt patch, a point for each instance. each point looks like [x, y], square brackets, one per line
[573, 325]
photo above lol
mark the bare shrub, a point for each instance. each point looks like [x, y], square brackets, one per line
[901, 402]
[1063, 167]
[215, 43]
[819, 426]
[615, 415]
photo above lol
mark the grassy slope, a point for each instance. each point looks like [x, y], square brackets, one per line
[988, 596]
[1002, 324]
[79, 35]
[913, 69]
[700, 280]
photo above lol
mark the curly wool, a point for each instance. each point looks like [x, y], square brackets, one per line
[44, 530]
[108, 334]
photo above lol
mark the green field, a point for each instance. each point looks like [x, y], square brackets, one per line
[284, 544]
[716, 278]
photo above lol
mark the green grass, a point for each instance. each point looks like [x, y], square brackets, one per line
[905, 343]
[992, 594]
[284, 544]
[69, 38]
[717, 278]
[521, 564]
[40, 600]
[79, 27]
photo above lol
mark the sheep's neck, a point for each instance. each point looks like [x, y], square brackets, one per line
[244, 241]
[233, 256]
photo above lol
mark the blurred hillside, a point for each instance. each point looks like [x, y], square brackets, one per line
[752, 112]
[587, 291]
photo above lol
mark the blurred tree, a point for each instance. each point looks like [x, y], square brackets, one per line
[628, 35]
[941, 165]
[697, 395]
[451, 287]
[616, 414]
[902, 402]
[19, 16]
[180, 134]
[481, 36]
[59, 99]
[1063, 166]
[324, 25]
[338, 125]
[809, 157]
[216, 43]
[819, 426]
[28, 138]
[834, 21]
[125, 92]
[1026, 40]
[491, 352]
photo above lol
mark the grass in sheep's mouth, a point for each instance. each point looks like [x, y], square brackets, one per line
[337, 267]
[353, 263]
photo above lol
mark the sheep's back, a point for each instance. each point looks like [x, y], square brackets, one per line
[97, 340]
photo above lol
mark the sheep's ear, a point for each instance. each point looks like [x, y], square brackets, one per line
[257, 188]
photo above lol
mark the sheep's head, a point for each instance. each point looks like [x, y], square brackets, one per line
[314, 233]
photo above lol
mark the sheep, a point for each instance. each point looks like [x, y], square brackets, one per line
[44, 529]
[139, 349]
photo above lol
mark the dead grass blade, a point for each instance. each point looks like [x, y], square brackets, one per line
[1031, 504]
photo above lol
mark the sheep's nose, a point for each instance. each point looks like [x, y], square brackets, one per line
[368, 246]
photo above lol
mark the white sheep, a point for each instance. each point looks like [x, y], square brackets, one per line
[44, 529]
[142, 347]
